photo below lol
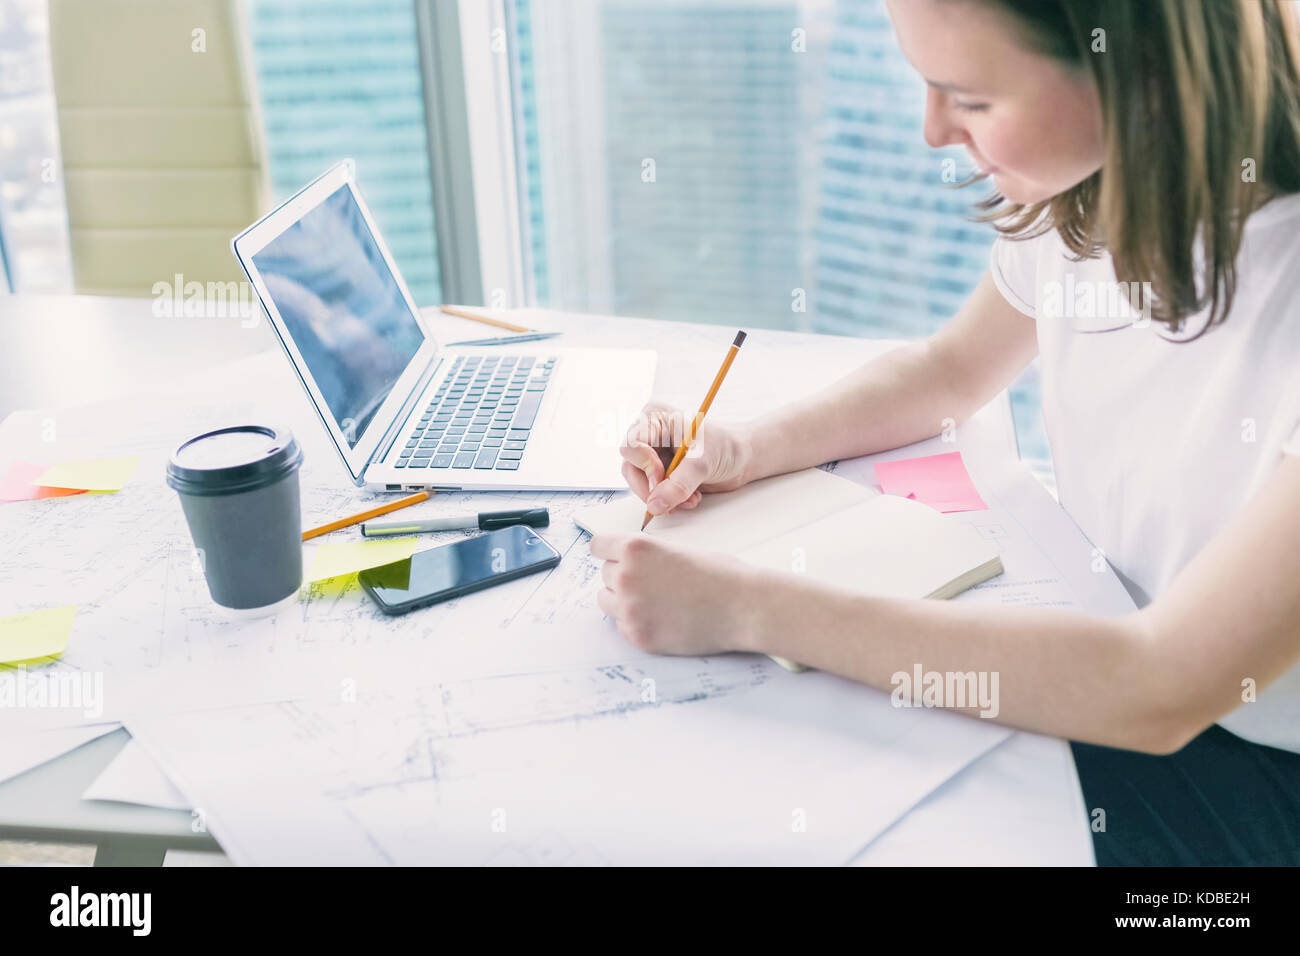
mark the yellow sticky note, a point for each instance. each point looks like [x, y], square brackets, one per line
[329, 588]
[344, 557]
[38, 634]
[96, 474]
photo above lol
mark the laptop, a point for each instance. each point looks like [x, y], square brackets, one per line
[405, 413]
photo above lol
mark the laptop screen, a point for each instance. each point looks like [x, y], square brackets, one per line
[342, 307]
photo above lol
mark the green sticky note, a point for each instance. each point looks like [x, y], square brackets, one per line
[95, 474]
[35, 635]
[396, 576]
[346, 557]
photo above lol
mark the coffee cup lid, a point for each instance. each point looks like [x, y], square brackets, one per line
[231, 460]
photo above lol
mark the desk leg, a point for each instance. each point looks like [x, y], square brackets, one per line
[128, 852]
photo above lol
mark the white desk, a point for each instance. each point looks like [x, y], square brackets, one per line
[68, 350]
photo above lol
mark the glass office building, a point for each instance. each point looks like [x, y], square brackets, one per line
[895, 250]
[696, 205]
[703, 149]
[343, 79]
[897, 253]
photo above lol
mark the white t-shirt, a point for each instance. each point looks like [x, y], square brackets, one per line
[1157, 445]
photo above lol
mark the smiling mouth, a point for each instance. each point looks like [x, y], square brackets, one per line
[986, 169]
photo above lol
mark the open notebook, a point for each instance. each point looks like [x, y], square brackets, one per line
[829, 528]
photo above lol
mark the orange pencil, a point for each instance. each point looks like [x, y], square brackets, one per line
[409, 500]
[699, 416]
[485, 319]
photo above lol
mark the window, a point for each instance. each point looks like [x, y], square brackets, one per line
[754, 163]
[749, 162]
[34, 253]
[343, 79]
[664, 157]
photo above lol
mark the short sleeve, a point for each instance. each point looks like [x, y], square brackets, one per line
[1014, 267]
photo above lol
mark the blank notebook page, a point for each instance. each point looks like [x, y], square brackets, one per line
[831, 529]
[735, 519]
[811, 522]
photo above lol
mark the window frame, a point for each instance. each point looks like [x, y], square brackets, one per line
[465, 70]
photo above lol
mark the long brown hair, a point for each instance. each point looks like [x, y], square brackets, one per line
[1201, 113]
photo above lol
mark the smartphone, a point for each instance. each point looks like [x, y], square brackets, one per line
[451, 570]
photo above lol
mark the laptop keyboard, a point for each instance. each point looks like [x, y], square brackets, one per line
[481, 415]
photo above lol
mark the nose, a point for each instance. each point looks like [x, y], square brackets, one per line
[939, 130]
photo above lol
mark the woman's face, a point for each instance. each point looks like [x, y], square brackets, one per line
[1026, 119]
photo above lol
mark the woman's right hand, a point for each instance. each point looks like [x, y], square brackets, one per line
[718, 459]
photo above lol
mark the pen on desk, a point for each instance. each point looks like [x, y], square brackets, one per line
[508, 339]
[414, 499]
[699, 416]
[484, 521]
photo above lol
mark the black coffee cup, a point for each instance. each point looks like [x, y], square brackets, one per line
[239, 490]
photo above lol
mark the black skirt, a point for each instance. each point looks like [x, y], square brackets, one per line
[1220, 801]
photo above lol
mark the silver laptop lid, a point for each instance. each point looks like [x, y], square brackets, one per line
[341, 310]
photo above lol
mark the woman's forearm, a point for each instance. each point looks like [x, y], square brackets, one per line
[1058, 672]
[903, 396]
[896, 399]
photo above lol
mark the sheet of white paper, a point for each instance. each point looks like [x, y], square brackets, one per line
[730, 760]
[1040, 818]
[24, 750]
[736, 520]
[133, 777]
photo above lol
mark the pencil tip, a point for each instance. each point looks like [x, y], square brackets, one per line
[645, 522]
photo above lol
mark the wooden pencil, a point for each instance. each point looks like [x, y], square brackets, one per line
[462, 313]
[699, 416]
[406, 502]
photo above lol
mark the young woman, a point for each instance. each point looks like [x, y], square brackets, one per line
[1155, 143]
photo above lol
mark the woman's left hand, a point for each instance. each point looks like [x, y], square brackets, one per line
[670, 600]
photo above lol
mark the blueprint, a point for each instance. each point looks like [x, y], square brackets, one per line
[657, 761]
[145, 621]
[512, 725]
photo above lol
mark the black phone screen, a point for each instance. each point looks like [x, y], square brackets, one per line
[454, 569]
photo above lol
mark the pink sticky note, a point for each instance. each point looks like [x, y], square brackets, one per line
[17, 485]
[940, 481]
